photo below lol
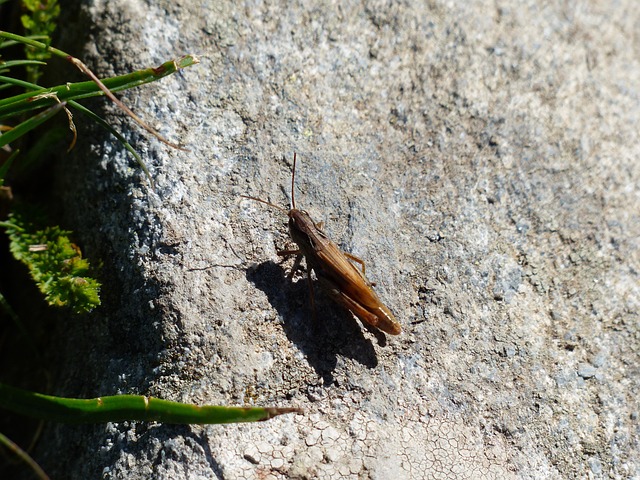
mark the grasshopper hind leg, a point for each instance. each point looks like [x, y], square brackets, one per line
[360, 262]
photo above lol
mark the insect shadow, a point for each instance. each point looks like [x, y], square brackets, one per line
[335, 332]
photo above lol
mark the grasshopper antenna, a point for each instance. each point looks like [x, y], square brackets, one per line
[266, 203]
[293, 178]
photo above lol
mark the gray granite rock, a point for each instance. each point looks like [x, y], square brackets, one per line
[482, 159]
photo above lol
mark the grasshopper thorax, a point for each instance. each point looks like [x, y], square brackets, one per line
[303, 230]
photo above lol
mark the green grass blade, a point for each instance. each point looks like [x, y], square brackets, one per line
[6, 165]
[120, 408]
[16, 82]
[7, 82]
[9, 64]
[115, 133]
[11, 43]
[183, 62]
[48, 140]
[76, 91]
[16, 63]
[24, 456]
[33, 43]
[29, 124]
[90, 114]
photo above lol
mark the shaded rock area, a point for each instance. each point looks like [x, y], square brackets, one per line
[482, 158]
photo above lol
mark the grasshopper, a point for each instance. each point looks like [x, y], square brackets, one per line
[336, 274]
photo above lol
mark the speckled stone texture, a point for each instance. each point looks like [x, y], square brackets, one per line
[481, 157]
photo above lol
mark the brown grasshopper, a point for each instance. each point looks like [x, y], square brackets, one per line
[340, 279]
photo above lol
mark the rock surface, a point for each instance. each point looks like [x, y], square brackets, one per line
[481, 158]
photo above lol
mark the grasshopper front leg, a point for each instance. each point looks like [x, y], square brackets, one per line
[296, 266]
[296, 262]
